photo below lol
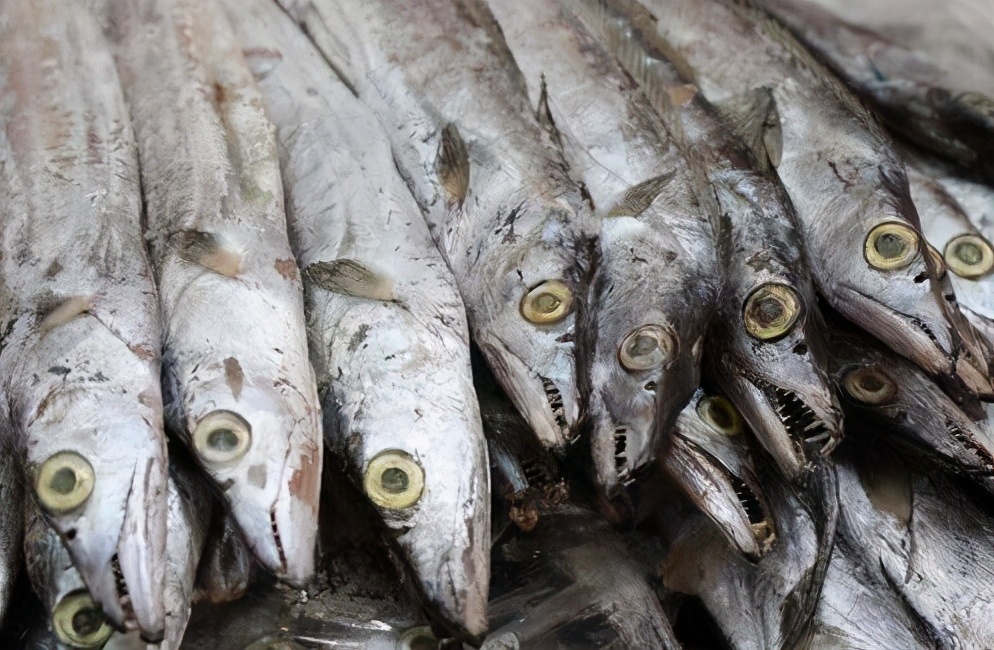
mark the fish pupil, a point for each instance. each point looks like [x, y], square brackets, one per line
[547, 303]
[720, 416]
[87, 621]
[63, 481]
[223, 439]
[768, 311]
[969, 253]
[394, 480]
[871, 383]
[890, 245]
[642, 345]
[422, 642]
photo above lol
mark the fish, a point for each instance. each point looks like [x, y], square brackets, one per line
[226, 564]
[768, 353]
[756, 603]
[657, 273]
[841, 172]
[11, 525]
[489, 177]
[925, 69]
[390, 341]
[81, 409]
[236, 370]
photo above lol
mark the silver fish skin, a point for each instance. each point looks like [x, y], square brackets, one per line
[768, 603]
[488, 175]
[387, 324]
[79, 358]
[848, 186]
[772, 364]
[11, 525]
[235, 346]
[657, 275]
[710, 462]
[925, 68]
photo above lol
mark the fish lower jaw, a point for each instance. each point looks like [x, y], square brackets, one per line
[760, 522]
[815, 438]
[555, 399]
[970, 444]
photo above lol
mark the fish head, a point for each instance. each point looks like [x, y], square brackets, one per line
[888, 281]
[407, 422]
[710, 461]
[524, 323]
[641, 345]
[256, 437]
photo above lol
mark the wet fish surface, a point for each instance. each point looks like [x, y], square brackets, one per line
[79, 355]
[235, 348]
[390, 342]
[488, 176]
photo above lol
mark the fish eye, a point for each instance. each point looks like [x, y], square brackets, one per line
[771, 311]
[869, 385]
[649, 346]
[548, 303]
[79, 622]
[891, 246]
[969, 256]
[394, 480]
[721, 415]
[222, 437]
[417, 638]
[64, 482]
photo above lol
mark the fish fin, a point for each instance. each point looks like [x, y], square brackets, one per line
[754, 118]
[638, 198]
[350, 278]
[207, 250]
[63, 312]
[452, 164]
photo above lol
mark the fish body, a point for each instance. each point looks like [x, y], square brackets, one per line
[390, 342]
[657, 275]
[488, 176]
[847, 184]
[79, 359]
[235, 348]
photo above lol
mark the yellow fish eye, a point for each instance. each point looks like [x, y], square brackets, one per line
[222, 437]
[646, 347]
[548, 303]
[721, 415]
[771, 311]
[79, 622]
[394, 480]
[64, 482]
[891, 246]
[869, 385]
[417, 638]
[969, 256]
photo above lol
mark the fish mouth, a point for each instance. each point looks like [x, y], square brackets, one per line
[969, 443]
[622, 470]
[760, 521]
[812, 434]
[555, 399]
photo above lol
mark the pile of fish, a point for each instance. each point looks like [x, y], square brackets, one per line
[513, 323]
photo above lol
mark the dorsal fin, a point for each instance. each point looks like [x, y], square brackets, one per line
[63, 312]
[207, 250]
[753, 117]
[350, 278]
[452, 164]
[639, 197]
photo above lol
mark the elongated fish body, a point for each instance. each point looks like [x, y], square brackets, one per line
[579, 586]
[770, 355]
[657, 276]
[847, 184]
[767, 603]
[11, 525]
[235, 364]
[486, 172]
[887, 393]
[79, 362]
[387, 322]
[939, 99]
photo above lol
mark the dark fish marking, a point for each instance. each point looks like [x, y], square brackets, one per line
[205, 249]
[257, 476]
[59, 370]
[287, 268]
[349, 278]
[543, 113]
[53, 269]
[358, 337]
[639, 197]
[754, 118]
[304, 483]
[452, 164]
[234, 376]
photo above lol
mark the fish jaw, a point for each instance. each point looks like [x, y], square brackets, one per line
[273, 489]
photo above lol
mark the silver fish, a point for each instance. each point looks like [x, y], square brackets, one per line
[768, 354]
[390, 343]
[79, 358]
[236, 368]
[11, 525]
[656, 279]
[925, 67]
[488, 175]
[847, 184]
